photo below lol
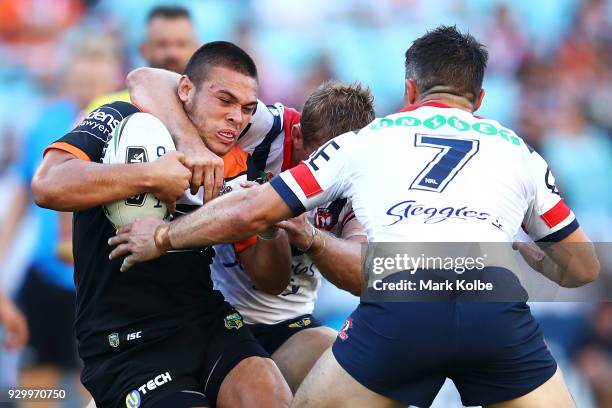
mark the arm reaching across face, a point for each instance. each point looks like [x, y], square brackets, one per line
[154, 91]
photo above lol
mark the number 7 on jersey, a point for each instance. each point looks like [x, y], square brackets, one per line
[453, 154]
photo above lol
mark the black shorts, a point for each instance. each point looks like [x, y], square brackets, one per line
[50, 311]
[272, 336]
[195, 359]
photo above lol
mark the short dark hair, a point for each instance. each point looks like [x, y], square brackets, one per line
[168, 12]
[448, 60]
[219, 54]
[335, 108]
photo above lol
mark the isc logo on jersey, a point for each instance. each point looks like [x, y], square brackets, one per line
[134, 397]
[139, 138]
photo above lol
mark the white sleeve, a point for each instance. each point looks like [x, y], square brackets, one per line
[262, 122]
[348, 226]
[548, 218]
[320, 179]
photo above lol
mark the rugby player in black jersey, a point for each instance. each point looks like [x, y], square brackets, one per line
[160, 336]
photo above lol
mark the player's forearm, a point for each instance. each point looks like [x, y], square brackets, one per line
[268, 263]
[570, 264]
[76, 184]
[229, 218]
[154, 91]
[338, 260]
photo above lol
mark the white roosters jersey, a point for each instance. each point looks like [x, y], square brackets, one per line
[431, 173]
[267, 133]
[268, 139]
[259, 307]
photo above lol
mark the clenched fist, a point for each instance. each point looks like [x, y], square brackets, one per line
[169, 178]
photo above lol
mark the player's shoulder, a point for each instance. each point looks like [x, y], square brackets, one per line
[441, 119]
[104, 118]
[121, 109]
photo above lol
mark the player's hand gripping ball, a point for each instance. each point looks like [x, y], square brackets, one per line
[139, 138]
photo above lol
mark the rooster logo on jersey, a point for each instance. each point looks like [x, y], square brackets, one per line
[323, 219]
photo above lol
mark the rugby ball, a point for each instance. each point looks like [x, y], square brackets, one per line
[139, 138]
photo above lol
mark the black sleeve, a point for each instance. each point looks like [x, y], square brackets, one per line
[90, 136]
[253, 174]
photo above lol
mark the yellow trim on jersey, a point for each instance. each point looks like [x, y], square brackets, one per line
[123, 96]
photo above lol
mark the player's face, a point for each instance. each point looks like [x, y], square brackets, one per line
[221, 107]
[169, 44]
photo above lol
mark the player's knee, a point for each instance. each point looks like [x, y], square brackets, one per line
[255, 382]
[321, 337]
[272, 389]
[327, 333]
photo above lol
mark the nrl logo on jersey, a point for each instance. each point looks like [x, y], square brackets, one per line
[233, 321]
[264, 177]
[225, 189]
[113, 340]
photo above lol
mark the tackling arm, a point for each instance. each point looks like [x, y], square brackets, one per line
[571, 262]
[339, 260]
[268, 263]
[229, 218]
[161, 101]
[235, 216]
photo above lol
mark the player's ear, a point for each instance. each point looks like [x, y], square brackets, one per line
[481, 95]
[296, 134]
[297, 142]
[410, 92]
[186, 89]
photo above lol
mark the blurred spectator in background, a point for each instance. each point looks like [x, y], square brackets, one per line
[34, 21]
[31, 31]
[170, 40]
[505, 42]
[595, 359]
[169, 43]
[13, 324]
[47, 296]
[580, 156]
